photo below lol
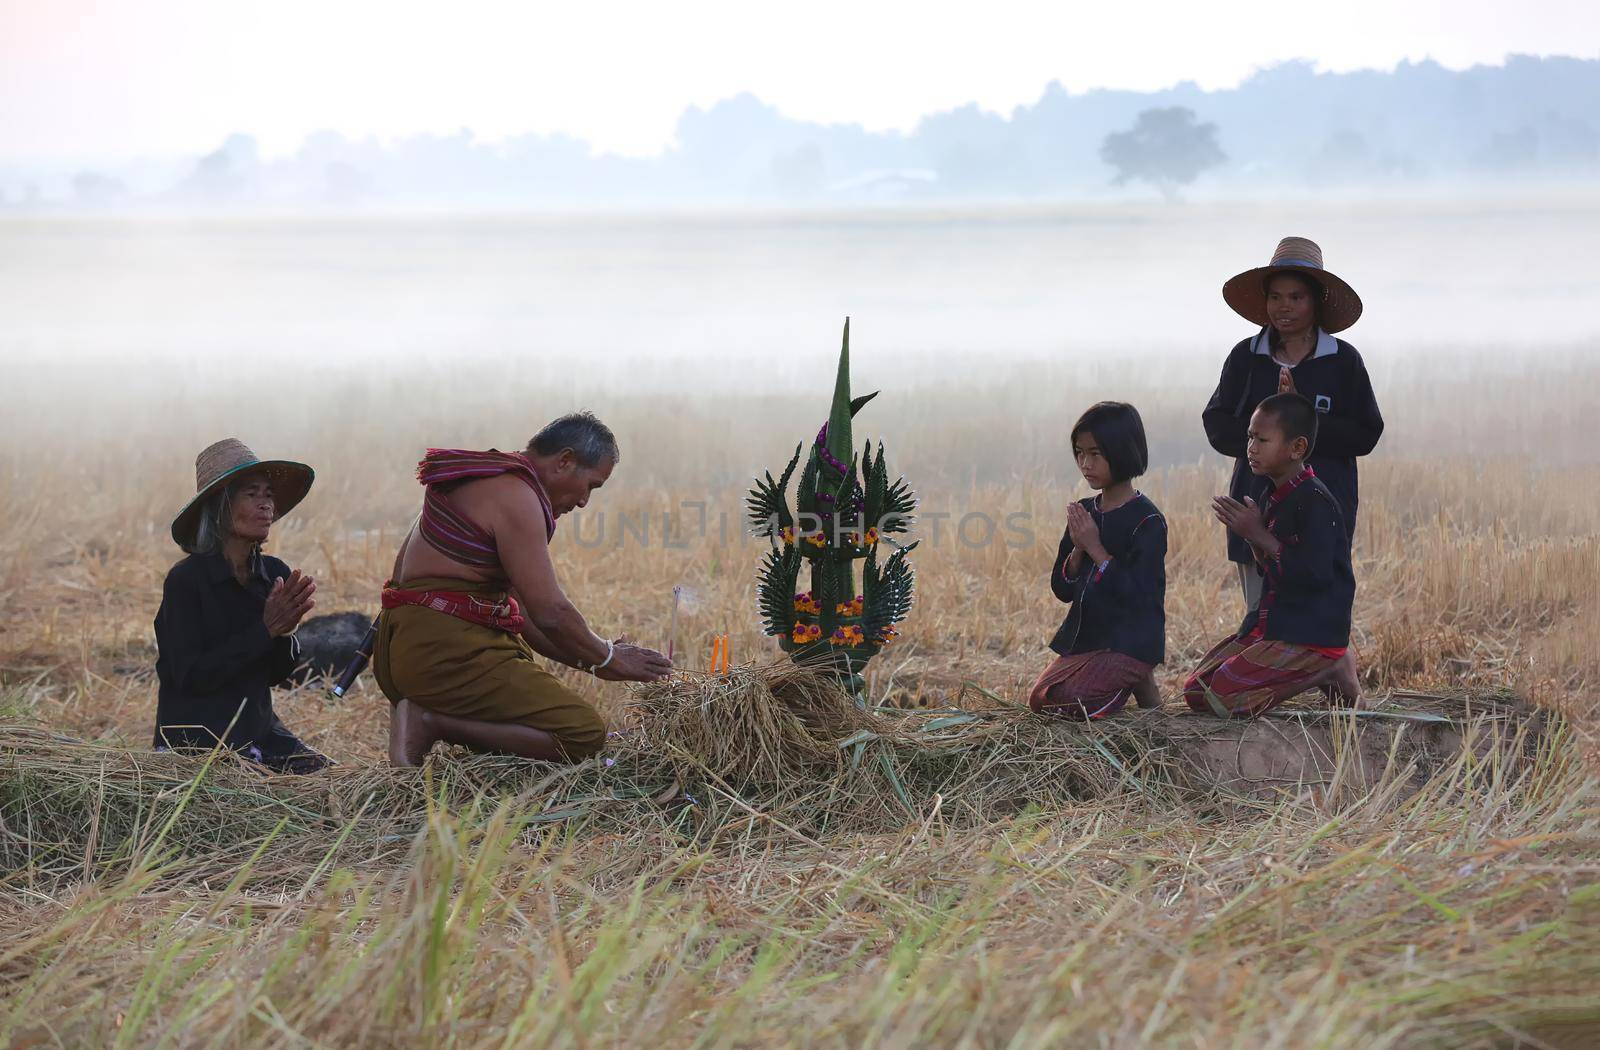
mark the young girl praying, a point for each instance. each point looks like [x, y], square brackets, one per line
[1111, 571]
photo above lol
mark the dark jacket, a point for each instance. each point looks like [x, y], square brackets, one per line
[1309, 586]
[1122, 609]
[214, 653]
[1348, 422]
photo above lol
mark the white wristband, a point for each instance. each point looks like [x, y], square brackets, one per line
[611, 650]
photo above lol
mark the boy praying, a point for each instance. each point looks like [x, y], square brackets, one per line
[1298, 638]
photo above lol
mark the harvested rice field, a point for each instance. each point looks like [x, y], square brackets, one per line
[756, 860]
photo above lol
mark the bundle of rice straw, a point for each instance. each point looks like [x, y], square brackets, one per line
[764, 724]
[791, 739]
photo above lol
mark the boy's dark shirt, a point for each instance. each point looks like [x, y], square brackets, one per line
[1124, 608]
[214, 651]
[1309, 587]
[1348, 422]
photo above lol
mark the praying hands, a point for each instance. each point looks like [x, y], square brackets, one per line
[1085, 536]
[1245, 521]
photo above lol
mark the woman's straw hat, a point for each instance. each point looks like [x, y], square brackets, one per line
[1247, 293]
[228, 459]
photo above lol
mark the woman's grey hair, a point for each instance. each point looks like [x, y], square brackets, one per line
[589, 439]
[216, 521]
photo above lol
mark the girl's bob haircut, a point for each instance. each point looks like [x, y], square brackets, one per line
[1119, 432]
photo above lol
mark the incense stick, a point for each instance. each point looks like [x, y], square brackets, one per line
[672, 629]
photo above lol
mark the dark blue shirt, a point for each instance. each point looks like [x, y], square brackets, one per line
[1123, 607]
[1349, 424]
[1309, 586]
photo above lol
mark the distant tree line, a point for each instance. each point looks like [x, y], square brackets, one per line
[1288, 126]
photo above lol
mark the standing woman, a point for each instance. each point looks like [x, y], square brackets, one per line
[225, 629]
[1298, 306]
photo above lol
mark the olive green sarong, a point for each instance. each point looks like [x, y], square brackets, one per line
[453, 667]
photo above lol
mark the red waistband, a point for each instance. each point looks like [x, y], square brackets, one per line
[502, 615]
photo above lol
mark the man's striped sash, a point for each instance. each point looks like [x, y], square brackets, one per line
[452, 533]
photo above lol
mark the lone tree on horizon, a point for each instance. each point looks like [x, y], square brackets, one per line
[1165, 147]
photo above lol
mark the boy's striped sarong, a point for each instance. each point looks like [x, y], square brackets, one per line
[1087, 685]
[1245, 677]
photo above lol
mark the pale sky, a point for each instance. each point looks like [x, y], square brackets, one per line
[87, 79]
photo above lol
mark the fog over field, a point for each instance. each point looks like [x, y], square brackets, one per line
[989, 330]
[761, 296]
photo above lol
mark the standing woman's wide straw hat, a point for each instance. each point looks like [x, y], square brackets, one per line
[1247, 293]
[226, 460]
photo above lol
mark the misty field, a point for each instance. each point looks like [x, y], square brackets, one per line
[977, 877]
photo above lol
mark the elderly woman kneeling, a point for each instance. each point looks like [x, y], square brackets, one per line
[225, 629]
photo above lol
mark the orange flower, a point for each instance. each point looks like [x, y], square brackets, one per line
[806, 632]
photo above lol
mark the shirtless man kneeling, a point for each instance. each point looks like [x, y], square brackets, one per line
[474, 598]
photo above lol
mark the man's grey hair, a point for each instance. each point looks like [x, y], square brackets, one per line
[589, 439]
[215, 524]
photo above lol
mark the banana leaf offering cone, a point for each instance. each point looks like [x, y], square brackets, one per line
[844, 511]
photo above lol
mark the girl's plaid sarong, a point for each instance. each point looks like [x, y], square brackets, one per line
[1087, 685]
[1244, 677]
